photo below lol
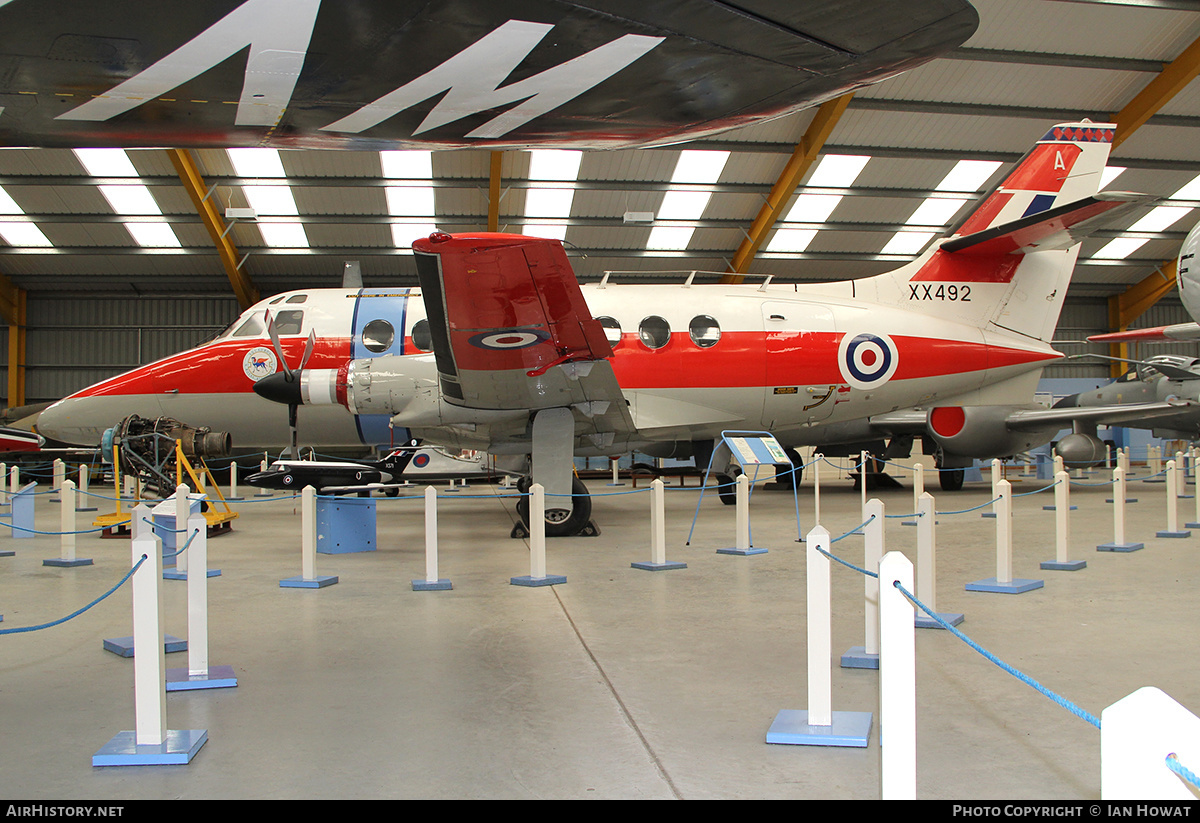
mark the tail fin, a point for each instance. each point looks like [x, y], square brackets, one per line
[1009, 263]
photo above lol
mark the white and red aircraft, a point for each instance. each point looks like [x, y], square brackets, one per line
[501, 350]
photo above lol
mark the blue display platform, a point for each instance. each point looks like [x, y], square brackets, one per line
[849, 729]
[857, 658]
[742, 552]
[178, 749]
[440, 585]
[308, 583]
[345, 525]
[1120, 547]
[1016, 586]
[123, 646]
[218, 677]
[1061, 566]
[924, 621]
[534, 582]
[168, 574]
[657, 567]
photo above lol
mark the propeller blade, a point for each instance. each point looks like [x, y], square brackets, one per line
[308, 349]
[274, 335]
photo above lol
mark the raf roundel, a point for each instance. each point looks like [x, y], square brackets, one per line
[509, 339]
[867, 360]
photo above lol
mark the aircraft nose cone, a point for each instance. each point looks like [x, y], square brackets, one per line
[280, 388]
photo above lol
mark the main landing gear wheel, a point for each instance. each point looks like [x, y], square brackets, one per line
[560, 522]
[951, 480]
[726, 489]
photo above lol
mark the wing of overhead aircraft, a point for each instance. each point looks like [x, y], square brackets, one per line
[358, 74]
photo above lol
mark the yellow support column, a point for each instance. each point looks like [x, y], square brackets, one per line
[798, 164]
[493, 219]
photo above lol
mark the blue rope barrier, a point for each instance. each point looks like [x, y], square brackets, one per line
[1024, 678]
[1174, 765]
[21, 630]
[846, 563]
[1037, 491]
[973, 508]
[856, 530]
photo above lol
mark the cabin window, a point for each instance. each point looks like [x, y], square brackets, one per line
[421, 336]
[612, 330]
[288, 322]
[297, 298]
[704, 331]
[378, 335]
[655, 332]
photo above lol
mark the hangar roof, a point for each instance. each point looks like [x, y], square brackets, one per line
[877, 192]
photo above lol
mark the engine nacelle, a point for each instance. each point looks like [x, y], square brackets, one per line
[981, 432]
[1081, 451]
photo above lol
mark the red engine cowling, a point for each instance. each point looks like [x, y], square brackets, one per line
[981, 432]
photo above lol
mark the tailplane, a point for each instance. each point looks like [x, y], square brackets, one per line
[1009, 263]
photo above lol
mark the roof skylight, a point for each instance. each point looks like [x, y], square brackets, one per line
[835, 171]
[19, 233]
[1160, 218]
[269, 200]
[681, 203]
[128, 199]
[411, 196]
[967, 176]
[544, 200]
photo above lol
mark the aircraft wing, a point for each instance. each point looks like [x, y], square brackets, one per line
[511, 329]
[914, 421]
[1178, 331]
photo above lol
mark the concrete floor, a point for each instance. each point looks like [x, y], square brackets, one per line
[620, 683]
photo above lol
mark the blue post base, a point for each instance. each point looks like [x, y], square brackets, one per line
[1120, 547]
[658, 567]
[849, 729]
[924, 621]
[123, 646]
[1165, 533]
[218, 677]
[1064, 565]
[988, 514]
[742, 552]
[1054, 508]
[1185, 525]
[534, 582]
[440, 585]
[171, 574]
[857, 658]
[1127, 500]
[66, 564]
[308, 583]
[1017, 586]
[7, 553]
[178, 749]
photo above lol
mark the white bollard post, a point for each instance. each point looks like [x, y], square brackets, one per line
[308, 578]
[897, 681]
[182, 510]
[1062, 527]
[1004, 582]
[66, 521]
[59, 473]
[1118, 501]
[431, 582]
[820, 725]
[742, 538]
[14, 480]
[537, 543]
[262, 490]
[862, 482]
[818, 459]
[149, 659]
[233, 481]
[196, 540]
[866, 656]
[658, 532]
[997, 474]
[83, 503]
[616, 475]
[927, 566]
[1137, 735]
[1173, 478]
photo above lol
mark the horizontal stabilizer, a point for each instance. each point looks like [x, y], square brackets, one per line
[1178, 331]
[1056, 228]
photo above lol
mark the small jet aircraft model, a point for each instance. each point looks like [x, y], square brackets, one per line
[501, 350]
[400, 468]
[371, 74]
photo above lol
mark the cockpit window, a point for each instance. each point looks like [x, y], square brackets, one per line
[253, 327]
[378, 335]
[288, 322]
[297, 298]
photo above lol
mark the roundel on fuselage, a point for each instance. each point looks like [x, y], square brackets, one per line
[867, 360]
